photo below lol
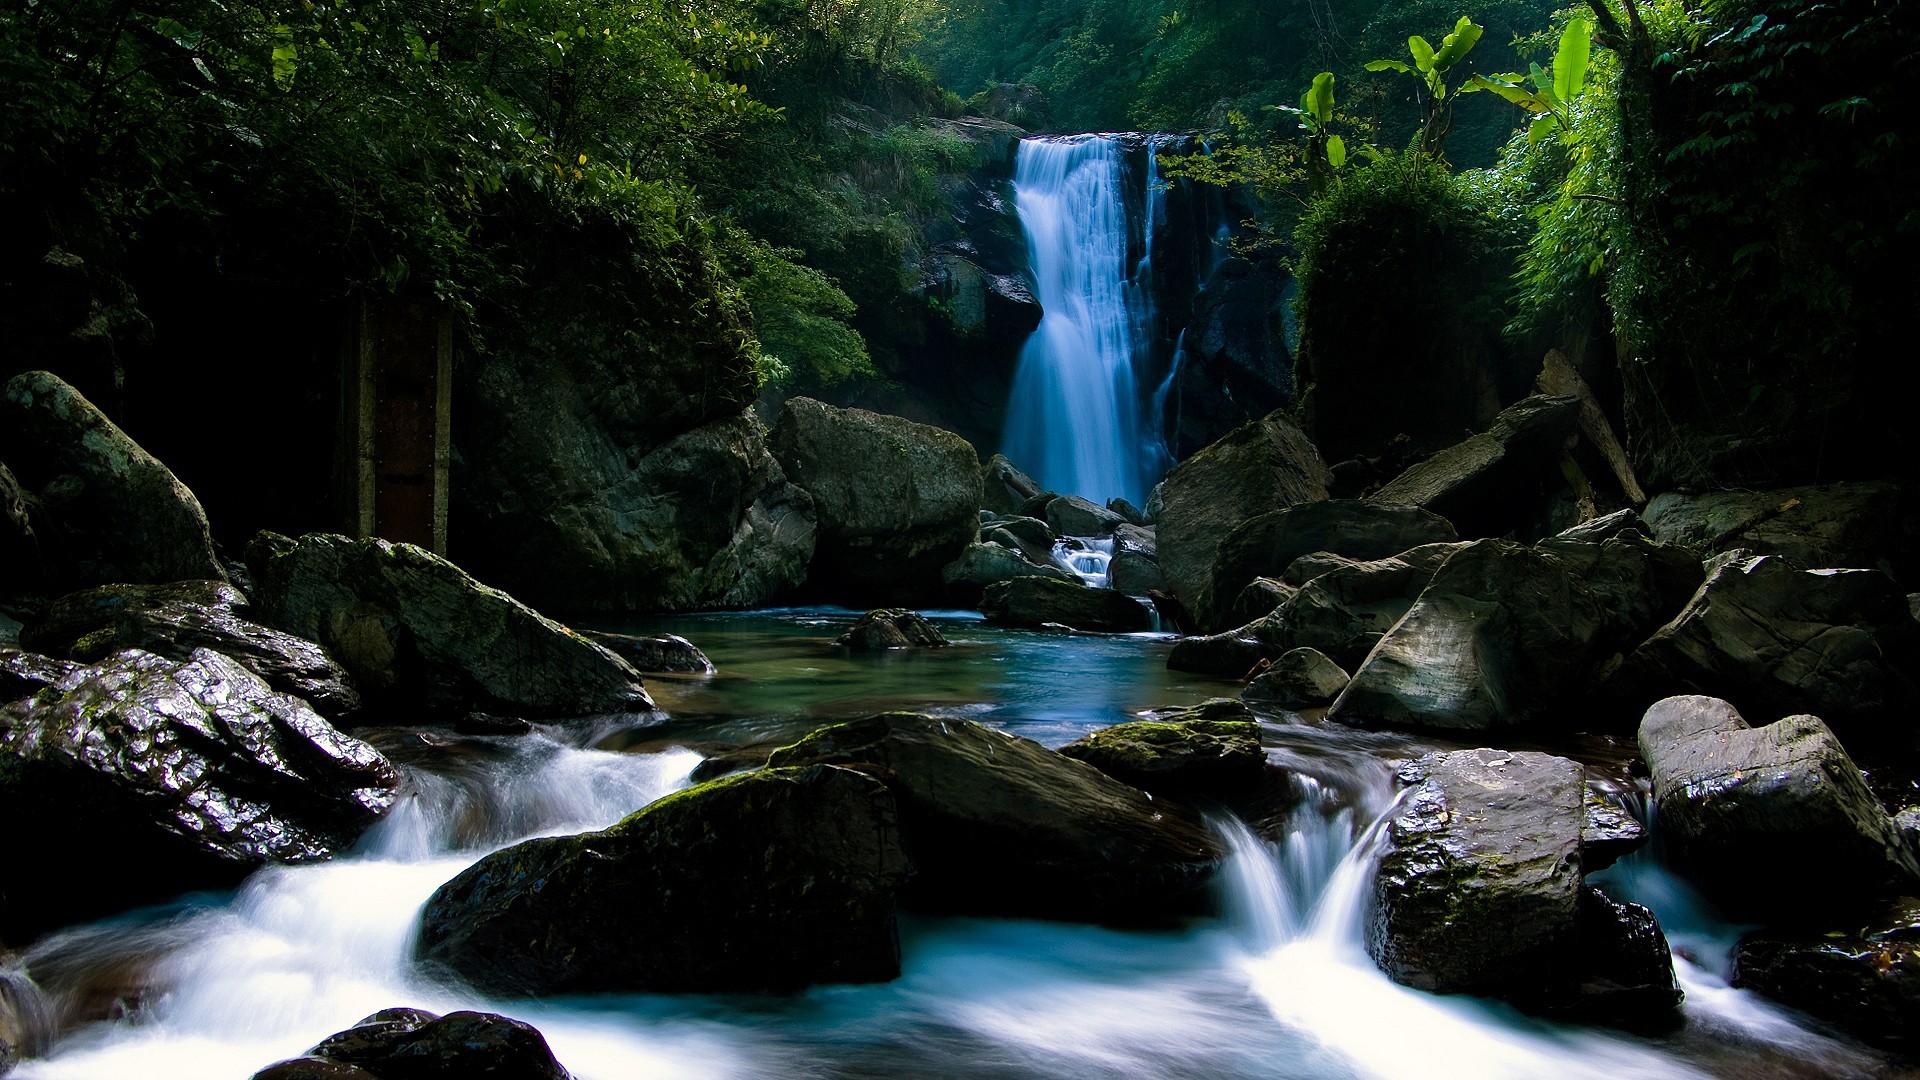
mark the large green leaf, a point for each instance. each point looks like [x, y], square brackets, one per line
[1512, 91]
[1570, 62]
[1336, 151]
[1389, 65]
[1422, 52]
[1455, 47]
[1319, 98]
[285, 58]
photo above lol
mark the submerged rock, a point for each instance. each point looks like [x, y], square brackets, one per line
[1265, 466]
[896, 501]
[417, 632]
[1211, 750]
[1863, 977]
[1266, 545]
[173, 620]
[196, 769]
[891, 628]
[1775, 820]
[1840, 644]
[412, 1044]
[1032, 601]
[770, 880]
[105, 509]
[654, 653]
[999, 825]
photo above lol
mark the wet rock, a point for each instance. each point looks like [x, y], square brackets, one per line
[771, 880]
[1034, 601]
[26, 1019]
[1231, 655]
[895, 500]
[1864, 977]
[1775, 640]
[891, 628]
[1030, 536]
[1299, 679]
[412, 1044]
[654, 653]
[105, 509]
[1005, 488]
[1266, 545]
[1479, 888]
[1857, 524]
[1342, 607]
[1211, 751]
[982, 565]
[1259, 468]
[1135, 569]
[24, 673]
[173, 620]
[999, 825]
[1610, 831]
[198, 771]
[1071, 515]
[1503, 634]
[417, 632]
[1625, 966]
[1262, 597]
[1128, 512]
[1776, 820]
[19, 546]
[1474, 483]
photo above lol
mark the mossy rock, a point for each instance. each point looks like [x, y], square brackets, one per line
[1211, 750]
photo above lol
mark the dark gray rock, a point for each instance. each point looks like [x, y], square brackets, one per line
[25, 574]
[1864, 976]
[1035, 601]
[1479, 891]
[1299, 679]
[105, 509]
[1262, 597]
[26, 1019]
[896, 501]
[769, 880]
[891, 628]
[981, 565]
[1503, 634]
[999, 825]
[1004, 487]
[1211, 751]
[1265, 466]
[173, 620]
[1774, 821]
[1857, 524]
[1342, 607]
[1071, 515]
[417, 632]
[411, 1044]
[1475, 483]
[1266, 545]
[1232, 655]
[1776, 640]
[197, 770]
[23, 674]
[1135, 569]
[1610, 832]
[668, 653]
[1128, 512]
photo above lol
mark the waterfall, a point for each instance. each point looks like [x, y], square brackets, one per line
[1074, 420]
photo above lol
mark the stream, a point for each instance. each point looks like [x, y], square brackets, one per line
[1277, 985]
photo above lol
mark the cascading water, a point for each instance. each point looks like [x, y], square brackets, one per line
[1074, 420]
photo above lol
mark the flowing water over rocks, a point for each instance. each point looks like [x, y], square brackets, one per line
[1277, 984]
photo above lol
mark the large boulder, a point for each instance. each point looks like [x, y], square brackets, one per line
[105, 509]
[1135, 568]
[1004, 487]
[1071, 515]
[999, 825]
[418, 633]
[175, 619]
[654, 652]
[1037, 601]
[1503, 635]
[1299, 679]
[1773, 639]
[770, 880]
[1864, 977]
[1265, 466]
[1774, 821]
[983, 565]
[891, 628]
[23, 674]
[1479, 891]
[1266, 545]
[1211, 750]
[896, 501]
[575, 519]
[1342, 607]
[1858, 524]
[412, 1044]
[196, 770]
[1477, 484]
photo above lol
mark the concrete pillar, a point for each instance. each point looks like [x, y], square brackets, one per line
[399, 391]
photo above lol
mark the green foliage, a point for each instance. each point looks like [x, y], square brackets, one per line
[1553, 92]
[1432, 67]
[801, 318]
